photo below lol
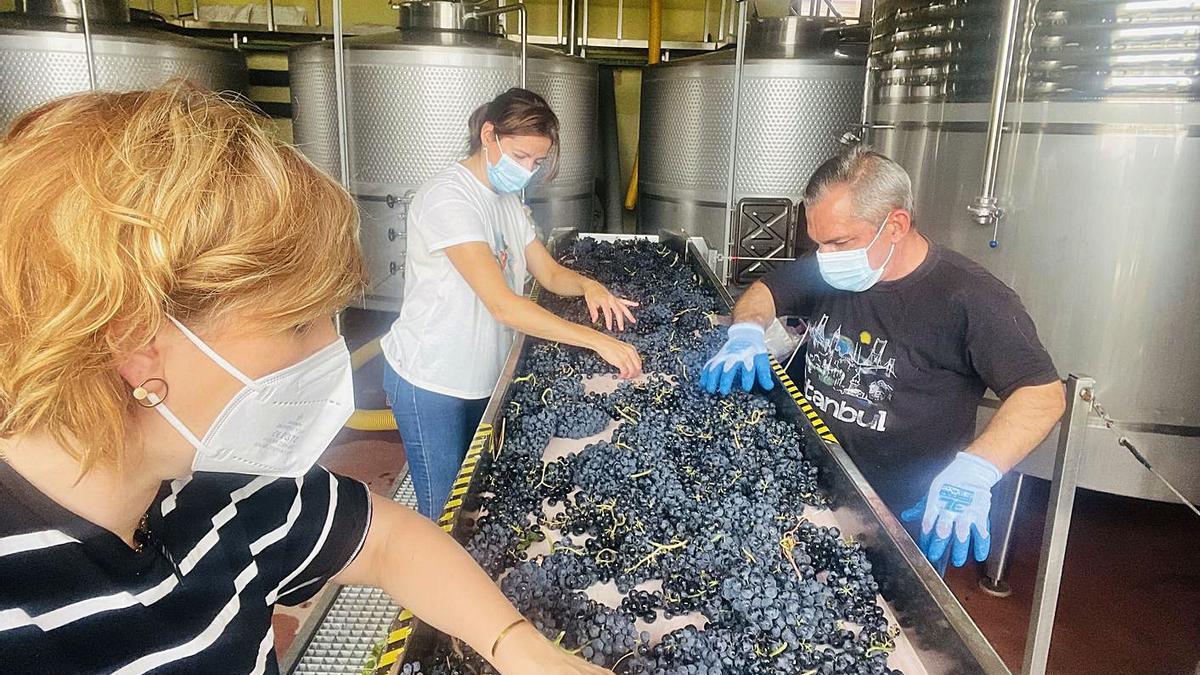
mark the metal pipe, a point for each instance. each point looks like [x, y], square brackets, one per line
[731, 188]
[586, 6]
[985, 209]
[271, 27]
[572, 20]
[1005, 498]
[1058, 522]
[621, 19]
[560, 22]
[522, 18]
[867, 13]
[339, 89]
[87, 45]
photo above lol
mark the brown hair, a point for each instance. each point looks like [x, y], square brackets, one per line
[117, 210]
[517, 112]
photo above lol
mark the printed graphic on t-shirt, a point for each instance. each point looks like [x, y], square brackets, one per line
[850, 375]
[500, 248]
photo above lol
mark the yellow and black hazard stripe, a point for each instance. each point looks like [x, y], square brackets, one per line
[397, 639]
[483, 436]
[805, 407]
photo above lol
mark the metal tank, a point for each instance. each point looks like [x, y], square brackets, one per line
[43, 55]
[1095, 181]
[801, 89]
[410, 94]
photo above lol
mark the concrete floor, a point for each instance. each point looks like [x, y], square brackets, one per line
[1130, 601]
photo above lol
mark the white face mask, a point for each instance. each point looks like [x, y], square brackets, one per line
[277, 425]
[851, 270]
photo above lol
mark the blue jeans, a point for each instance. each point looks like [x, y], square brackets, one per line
[436, 430]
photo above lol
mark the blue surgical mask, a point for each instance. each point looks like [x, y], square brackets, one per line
[506, 175]
[851, 270]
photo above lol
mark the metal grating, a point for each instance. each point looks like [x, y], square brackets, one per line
[314, 113]
[357, 621]
[685, 133]
[573, 99]
[32, 73]
[789, 127]
[410, 121]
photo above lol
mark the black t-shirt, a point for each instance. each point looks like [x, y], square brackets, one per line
[199, 596]
[899, 370]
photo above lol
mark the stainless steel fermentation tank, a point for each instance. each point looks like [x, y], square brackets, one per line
[43, 54]
[1097, 173]
[801, 89]
[410, 93]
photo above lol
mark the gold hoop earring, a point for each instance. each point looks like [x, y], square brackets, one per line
[141, 393]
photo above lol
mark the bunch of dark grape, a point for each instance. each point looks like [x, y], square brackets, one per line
[701, 498]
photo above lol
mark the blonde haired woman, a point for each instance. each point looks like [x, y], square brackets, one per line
[169, 374]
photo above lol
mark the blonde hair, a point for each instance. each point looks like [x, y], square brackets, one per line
[119, 209]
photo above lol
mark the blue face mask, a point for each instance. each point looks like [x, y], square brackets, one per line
[851, 270]
[506, 175]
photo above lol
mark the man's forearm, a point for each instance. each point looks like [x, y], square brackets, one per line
[756, 305]
[1022, 422]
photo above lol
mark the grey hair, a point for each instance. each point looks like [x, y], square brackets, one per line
[877, 184]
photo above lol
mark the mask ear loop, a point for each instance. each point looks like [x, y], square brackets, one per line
[148, 399]
[208, 351]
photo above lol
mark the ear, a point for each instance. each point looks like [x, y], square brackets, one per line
[901, 222]
[487, 133]
[142, 364]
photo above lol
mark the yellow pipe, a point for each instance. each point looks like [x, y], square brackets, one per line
[369, 420]
[654, 41]
[631, 195]
[653, 56]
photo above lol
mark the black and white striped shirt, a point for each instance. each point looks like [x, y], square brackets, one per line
[198, 598]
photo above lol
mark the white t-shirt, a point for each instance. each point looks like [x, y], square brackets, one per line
[445, 340]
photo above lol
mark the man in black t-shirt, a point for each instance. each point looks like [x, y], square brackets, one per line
[904, 336]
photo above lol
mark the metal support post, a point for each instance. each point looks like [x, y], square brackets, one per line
[271, 27]
[731, 186]
[522, 26]
[1058, 522]
[572, 27]
[339, 87]
[87, 45]
[985, 209]
[1005, 498]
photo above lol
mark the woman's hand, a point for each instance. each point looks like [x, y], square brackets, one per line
[620, 354]
[600, 300]
[525, 651]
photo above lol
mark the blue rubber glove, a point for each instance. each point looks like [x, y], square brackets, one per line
[745, 351]
[958, 503]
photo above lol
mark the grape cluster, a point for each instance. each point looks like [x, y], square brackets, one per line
[693, 507]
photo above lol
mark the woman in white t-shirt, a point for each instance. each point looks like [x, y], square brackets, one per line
[470, 244]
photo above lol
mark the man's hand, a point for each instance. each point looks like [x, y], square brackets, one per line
[600, 300]
[958, 503]
[745, 351]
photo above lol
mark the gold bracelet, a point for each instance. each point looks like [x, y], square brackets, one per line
[504, 633]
